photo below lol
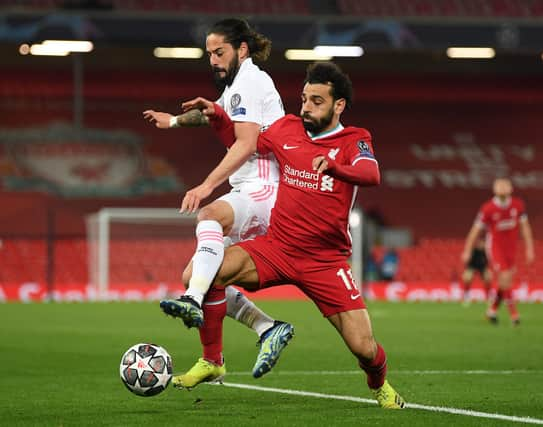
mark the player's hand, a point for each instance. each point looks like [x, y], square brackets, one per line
[320, 164]
[194, 197]
[465, 257]
[161, 120]
[530, 256]
[204, 105]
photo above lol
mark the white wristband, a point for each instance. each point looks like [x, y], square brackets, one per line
[173, 122]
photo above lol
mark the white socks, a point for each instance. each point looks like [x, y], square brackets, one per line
[205, 265]
[245, 311]
[207, 259]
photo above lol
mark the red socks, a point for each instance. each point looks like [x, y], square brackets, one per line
[507, 295]
[376, 369]
[497, 300]
[214, 307]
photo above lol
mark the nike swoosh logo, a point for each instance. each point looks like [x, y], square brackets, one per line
[289, 147]
[353, 297]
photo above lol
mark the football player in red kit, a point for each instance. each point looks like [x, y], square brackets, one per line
[502, 217]
[322, 164]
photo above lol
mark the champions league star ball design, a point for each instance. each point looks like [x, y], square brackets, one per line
[146, 369]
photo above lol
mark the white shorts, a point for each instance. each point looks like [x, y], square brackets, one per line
[252, 205]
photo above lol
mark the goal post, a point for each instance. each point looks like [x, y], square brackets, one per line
[116, 229]
[129, 245]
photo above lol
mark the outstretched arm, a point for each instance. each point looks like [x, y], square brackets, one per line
[192, 118]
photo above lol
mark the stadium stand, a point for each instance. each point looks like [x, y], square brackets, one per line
[439, 127]
[369, 8]
[442, 8]
[256, 7]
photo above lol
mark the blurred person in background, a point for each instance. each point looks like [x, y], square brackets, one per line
[389, 265]
[502, 217]
[477, 263]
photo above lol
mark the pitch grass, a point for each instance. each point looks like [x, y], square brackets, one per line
[59, 367]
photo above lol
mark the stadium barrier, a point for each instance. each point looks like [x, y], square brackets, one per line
[381, 291]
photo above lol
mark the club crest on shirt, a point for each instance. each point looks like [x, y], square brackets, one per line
[235, 100]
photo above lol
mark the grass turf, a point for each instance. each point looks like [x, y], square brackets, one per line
[60, 367]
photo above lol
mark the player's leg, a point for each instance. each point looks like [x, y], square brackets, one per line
[467, 278]
[334, 291]
[211, 368]
[354, 326]
[274, 335]
[505, 287]
[487, 281]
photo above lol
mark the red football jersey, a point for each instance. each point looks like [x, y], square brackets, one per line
[502, 223]
[312, 210]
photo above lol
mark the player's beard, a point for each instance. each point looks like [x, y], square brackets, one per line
[230, 74]
[315, 126]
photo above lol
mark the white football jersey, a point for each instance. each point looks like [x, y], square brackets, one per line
[252, 97]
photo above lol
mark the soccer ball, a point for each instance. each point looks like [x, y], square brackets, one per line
[146, 369]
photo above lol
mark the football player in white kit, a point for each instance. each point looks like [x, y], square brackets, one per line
[251, 100]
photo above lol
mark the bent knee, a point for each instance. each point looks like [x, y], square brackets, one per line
[207, 213]
[365, 349]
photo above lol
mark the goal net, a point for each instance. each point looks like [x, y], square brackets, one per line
[138, 246]
[153, 245]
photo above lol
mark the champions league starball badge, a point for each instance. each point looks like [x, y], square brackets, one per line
[235, 100]
[363, 146]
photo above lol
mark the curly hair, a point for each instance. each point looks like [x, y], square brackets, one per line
[330, 73]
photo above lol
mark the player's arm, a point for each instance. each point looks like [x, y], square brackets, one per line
[363, 173]
[215, 116]
[246, 136]
[191, 118]
[526, 232]
[473, 234]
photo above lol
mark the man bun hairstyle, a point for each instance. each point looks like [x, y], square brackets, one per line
[237, 31]
[329, 73]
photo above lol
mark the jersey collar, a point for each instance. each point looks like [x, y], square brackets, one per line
[497, 201]
[247, 63]
[337, 129]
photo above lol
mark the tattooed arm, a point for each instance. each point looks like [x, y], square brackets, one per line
[191, 118]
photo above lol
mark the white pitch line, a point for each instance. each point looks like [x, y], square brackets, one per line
[456, 411]
[404, 372]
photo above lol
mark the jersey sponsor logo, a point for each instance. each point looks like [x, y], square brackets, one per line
[305, 179]
[239, 111]
[353, 297]
[506, 224]
[289, 147]
[235, 100]
[301, 178]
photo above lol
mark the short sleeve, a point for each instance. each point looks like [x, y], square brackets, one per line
[246, 104]
[483, 216]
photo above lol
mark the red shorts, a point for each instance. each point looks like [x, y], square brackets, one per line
[501, 260]
[329, 284]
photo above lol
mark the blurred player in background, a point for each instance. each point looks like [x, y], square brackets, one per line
[501, 217]
[308, 242]
[251, 100]
[477, 263]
